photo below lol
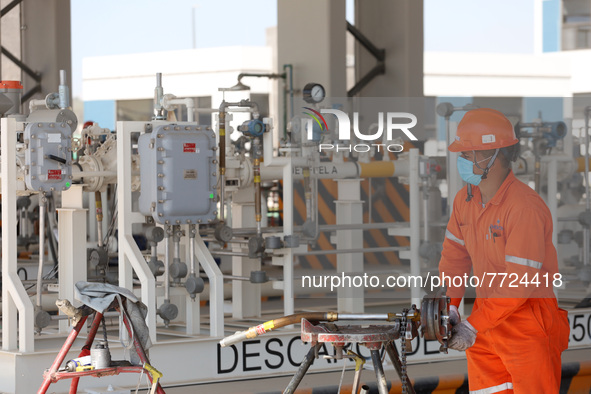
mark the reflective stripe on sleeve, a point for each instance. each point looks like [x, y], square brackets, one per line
[522, 261]
[494, 389]
[449, 235]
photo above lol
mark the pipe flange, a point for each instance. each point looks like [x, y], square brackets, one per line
[91, 164]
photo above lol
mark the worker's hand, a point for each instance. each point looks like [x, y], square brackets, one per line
[463, 336]
[454, 315]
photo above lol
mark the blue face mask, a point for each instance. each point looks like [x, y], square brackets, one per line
[466, 170]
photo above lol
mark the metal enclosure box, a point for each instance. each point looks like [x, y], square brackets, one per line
[178, 174]
[48, 158]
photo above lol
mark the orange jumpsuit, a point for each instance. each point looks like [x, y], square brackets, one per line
[521, 330]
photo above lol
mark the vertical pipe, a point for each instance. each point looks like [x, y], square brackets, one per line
[307, 193]
[27, 224]
[21, 227]
[415, 225]
[192, 231]
[379, 370]
[369, 199]
[587, 189]
[177, 247]
[447, 169]
[288, 298]
[63, 91]
[42, 201]
[99, 218]
[257, 193]
[167, 264]
[222, 161]
[552, 199]
[158, 95]
[426, 210]
[537, 173]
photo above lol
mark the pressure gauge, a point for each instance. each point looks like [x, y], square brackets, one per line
[313, 93]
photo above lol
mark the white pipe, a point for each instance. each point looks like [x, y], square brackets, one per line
[37, 103]
[288, 299]
[166, 265]
[192, 250]
[552, 199]
[426, 210]
[86, 174]
[168, 103]
[415, 224]
[41, 249]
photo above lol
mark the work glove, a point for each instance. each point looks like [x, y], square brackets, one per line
[454, 315]
[463, 336]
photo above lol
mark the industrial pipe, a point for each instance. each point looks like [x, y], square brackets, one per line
[99, 217]
[192, 232]
[158, 95]
[222, 160]
[271, 325]
[170, 100]
[587, 188]
[257, 192]
[167, 264]
[325, 228]
[222, 144]
[425, 210]
[42, 201]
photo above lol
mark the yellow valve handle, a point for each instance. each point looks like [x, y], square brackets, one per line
[359, 361]
[156, 375]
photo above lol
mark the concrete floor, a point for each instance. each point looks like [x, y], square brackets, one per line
[328, 382]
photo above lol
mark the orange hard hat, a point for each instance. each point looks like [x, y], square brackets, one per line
[483, 129]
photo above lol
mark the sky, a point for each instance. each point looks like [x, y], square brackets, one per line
[112, 27]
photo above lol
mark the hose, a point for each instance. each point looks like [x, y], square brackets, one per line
[271, 325]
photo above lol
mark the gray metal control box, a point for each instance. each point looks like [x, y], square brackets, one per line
[178, 174]
[48, 157]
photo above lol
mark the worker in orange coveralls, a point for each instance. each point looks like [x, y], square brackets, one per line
[501, 229]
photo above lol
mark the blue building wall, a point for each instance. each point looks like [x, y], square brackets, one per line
[551, 109]
[551, 25]
[102, 112]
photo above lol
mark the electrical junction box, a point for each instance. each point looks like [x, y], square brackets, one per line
[178, 174]
[48, 157]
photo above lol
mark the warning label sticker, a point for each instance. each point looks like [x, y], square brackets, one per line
[54, 138]
[190, 174]
[189, 147]
[54, 175]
